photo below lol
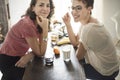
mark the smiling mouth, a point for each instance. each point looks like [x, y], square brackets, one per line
[44, 14]
[75, 17]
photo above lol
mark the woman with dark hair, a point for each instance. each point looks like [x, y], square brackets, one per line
[30, 31]
[94, 43]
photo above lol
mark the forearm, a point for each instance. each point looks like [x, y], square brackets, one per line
[80, 53]
[43, 42]
[38, 44]
[30, 54]
[45, 33]
[72, 36]
[38, 47]
[22, 62]
[43, 47]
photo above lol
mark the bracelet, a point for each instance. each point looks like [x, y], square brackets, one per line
[45, 39]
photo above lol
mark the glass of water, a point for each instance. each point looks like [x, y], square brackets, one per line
[66, 50]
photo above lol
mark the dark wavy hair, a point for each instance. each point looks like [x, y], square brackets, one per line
[32, 14]
[88, 3]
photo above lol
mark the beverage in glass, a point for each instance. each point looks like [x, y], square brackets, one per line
[66, 49]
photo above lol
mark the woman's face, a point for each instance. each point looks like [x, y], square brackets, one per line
[79, 11]
[42, 8]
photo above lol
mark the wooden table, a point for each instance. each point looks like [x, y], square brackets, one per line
[60, 70]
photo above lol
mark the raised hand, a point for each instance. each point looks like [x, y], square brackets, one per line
[43, 22]
[67, 19]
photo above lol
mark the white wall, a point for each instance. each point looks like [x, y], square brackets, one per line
[61, 7]
[17, 9]
[98, 10]
[110, 7]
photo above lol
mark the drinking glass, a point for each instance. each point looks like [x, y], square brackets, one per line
[66, 49]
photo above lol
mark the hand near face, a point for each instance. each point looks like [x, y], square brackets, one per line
[66, 19]
[43, 22]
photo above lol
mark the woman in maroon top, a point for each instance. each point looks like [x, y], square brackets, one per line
[30, 32]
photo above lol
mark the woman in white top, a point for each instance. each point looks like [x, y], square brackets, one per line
[93, 41]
